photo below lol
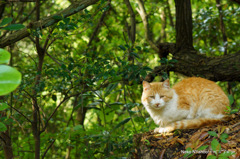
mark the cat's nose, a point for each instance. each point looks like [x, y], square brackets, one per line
[157, 104]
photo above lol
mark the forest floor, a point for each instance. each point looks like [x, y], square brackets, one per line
[217, 141]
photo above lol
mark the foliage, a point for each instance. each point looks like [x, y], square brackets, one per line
[89, 88]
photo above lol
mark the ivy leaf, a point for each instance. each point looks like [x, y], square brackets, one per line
[4, 56]
[14, 27]
[10, 78]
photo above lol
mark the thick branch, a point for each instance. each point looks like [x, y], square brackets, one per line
[46, 22]
[224, 68]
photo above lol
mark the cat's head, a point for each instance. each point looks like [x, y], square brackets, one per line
[156, 95]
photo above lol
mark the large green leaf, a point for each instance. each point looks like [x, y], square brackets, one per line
[13, 27]
[6, 21]
[10, 78]
[4, 56]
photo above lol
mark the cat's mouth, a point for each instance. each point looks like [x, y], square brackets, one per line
[157, 106]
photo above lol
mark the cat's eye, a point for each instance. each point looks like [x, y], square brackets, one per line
[162, 96]
[151, 97]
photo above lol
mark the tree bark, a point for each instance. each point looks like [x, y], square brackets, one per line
[225, 68]
[184, 39]
[7, 145]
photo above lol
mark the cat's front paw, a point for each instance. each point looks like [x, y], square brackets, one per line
[163, 130]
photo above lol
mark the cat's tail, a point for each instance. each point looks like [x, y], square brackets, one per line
[191, 124]
[197, 122]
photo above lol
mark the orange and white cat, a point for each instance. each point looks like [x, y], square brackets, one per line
[192, 103]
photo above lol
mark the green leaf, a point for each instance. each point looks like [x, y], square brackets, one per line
[134, 55]
[54, 97]
[122, 47]
[211, 157]
[3, 106]
[202, 147]
[226, 154]
[116, 103]
[6, 21]
[57, 17]
[224, 136]
[173, 61]
[234, 111]
[212, 133]
[223, 140]
[109, 88]
[10, 78]
[189, 153]
[231, 99]
[78, 127]
[2, 127]
[13, 27]
[4, 56]
[215, 145]
[147, 142]
[121, 123]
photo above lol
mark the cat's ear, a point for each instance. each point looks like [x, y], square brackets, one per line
[166, 84]
[146, 85]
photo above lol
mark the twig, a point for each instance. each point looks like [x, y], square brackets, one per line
[148, 33]
[132, 20]
[48, 148]
[21, 114]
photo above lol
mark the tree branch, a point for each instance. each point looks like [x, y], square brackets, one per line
[224, 68]
[45, 22]
[132, 20]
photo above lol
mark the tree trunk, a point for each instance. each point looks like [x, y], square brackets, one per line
[6, 139]
[184, 40]
[7, 145]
